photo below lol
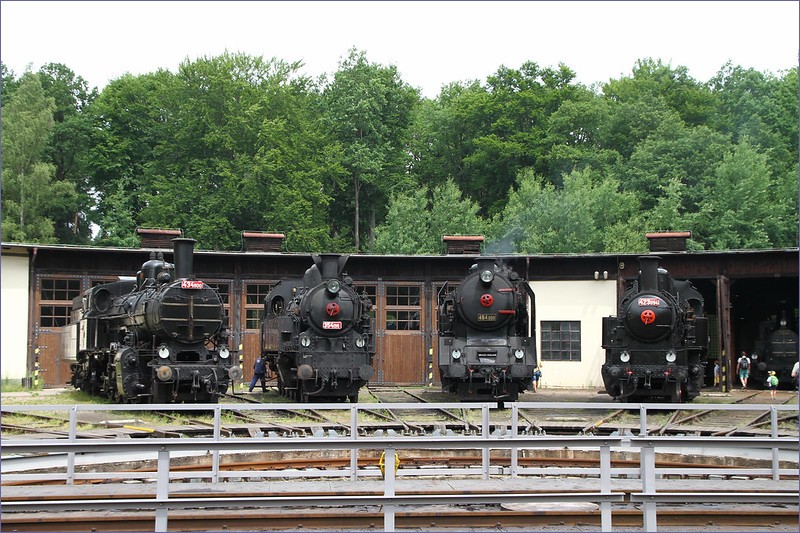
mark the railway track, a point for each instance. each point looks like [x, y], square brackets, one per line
[390, 413]
[475, 518]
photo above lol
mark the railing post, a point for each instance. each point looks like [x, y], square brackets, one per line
[647, 459]
[162, 491]
[514, 429]
[642, 420]
[73, 434]
[485, 433]
[776, 457]
[388, 487]
[354, 435]
[605, 487]
[217, 436]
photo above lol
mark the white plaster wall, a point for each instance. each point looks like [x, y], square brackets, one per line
[584, 301]
[13, 317]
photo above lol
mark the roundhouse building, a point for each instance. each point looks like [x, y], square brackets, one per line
[573, 293]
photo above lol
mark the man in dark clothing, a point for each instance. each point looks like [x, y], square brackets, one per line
[259, 373]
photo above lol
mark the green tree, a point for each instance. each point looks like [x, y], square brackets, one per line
[68, 148]
[128, 120]
[241, 148]
[541, 218]
[418, 220]
[369, 110]
[29, 190]
[739, 212]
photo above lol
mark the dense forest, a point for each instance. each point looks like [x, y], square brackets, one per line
[358, 161]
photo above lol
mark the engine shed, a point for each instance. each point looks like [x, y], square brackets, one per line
[741, 289]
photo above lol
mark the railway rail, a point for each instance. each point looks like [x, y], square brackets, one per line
[381, 417]
[415, 415]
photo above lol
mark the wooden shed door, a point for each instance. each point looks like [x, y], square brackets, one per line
[400, 357]
[53, 303]
[251, 312]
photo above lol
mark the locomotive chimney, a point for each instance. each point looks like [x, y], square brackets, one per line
[330, 265]
[648, 272]
[184, 257]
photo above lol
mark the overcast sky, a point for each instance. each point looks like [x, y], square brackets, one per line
[431, 43]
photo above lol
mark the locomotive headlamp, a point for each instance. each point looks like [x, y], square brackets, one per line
[487, 276]
[163, 352]
[224, 352]
[456, 354]
[625, 357]
[333, 286]
[305, 341]
[519, 354]
[360, 342]
[671, 356]
[754, 356]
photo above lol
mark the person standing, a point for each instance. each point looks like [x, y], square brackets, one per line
[795, 373]
[716, 372]
[743, 369]
[259, 373]
[537, 375]
[772, 384]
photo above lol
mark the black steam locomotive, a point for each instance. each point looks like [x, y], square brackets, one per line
[657, 345]
[775, 349]
[318, 335]
[487, 349]
[160, 337]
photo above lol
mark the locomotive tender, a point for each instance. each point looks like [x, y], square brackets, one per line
[486, 346]
[317, 334]
[775, 349]
[657, 345]
[160, 337]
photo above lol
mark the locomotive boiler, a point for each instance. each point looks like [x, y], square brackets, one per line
[159, 337]
[318, 335]
[487, 347]
[775, 349]
[657, 345]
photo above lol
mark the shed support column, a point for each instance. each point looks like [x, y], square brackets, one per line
[725, 342]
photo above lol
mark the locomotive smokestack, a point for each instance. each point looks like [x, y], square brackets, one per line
[648, 272]
[330, 265]
[184, 257]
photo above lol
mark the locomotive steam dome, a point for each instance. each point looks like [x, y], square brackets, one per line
[649, 317]
[330, 308]
[485, 300]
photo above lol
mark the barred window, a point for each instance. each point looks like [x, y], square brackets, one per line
[561, 340]
[255, 294]
[60, 289]
[402, 295]
[55, 305]
[53, 316]
[402, 307]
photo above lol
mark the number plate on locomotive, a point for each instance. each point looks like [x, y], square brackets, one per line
[327, 324]
[652, 301]
[191, 284]
[486, 318]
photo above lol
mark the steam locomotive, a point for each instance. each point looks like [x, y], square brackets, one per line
[775, 349]
[159, 337]
[657, 345]
[487, 349]
[317, 334]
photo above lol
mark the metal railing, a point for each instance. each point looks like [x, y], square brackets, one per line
[502, 438]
